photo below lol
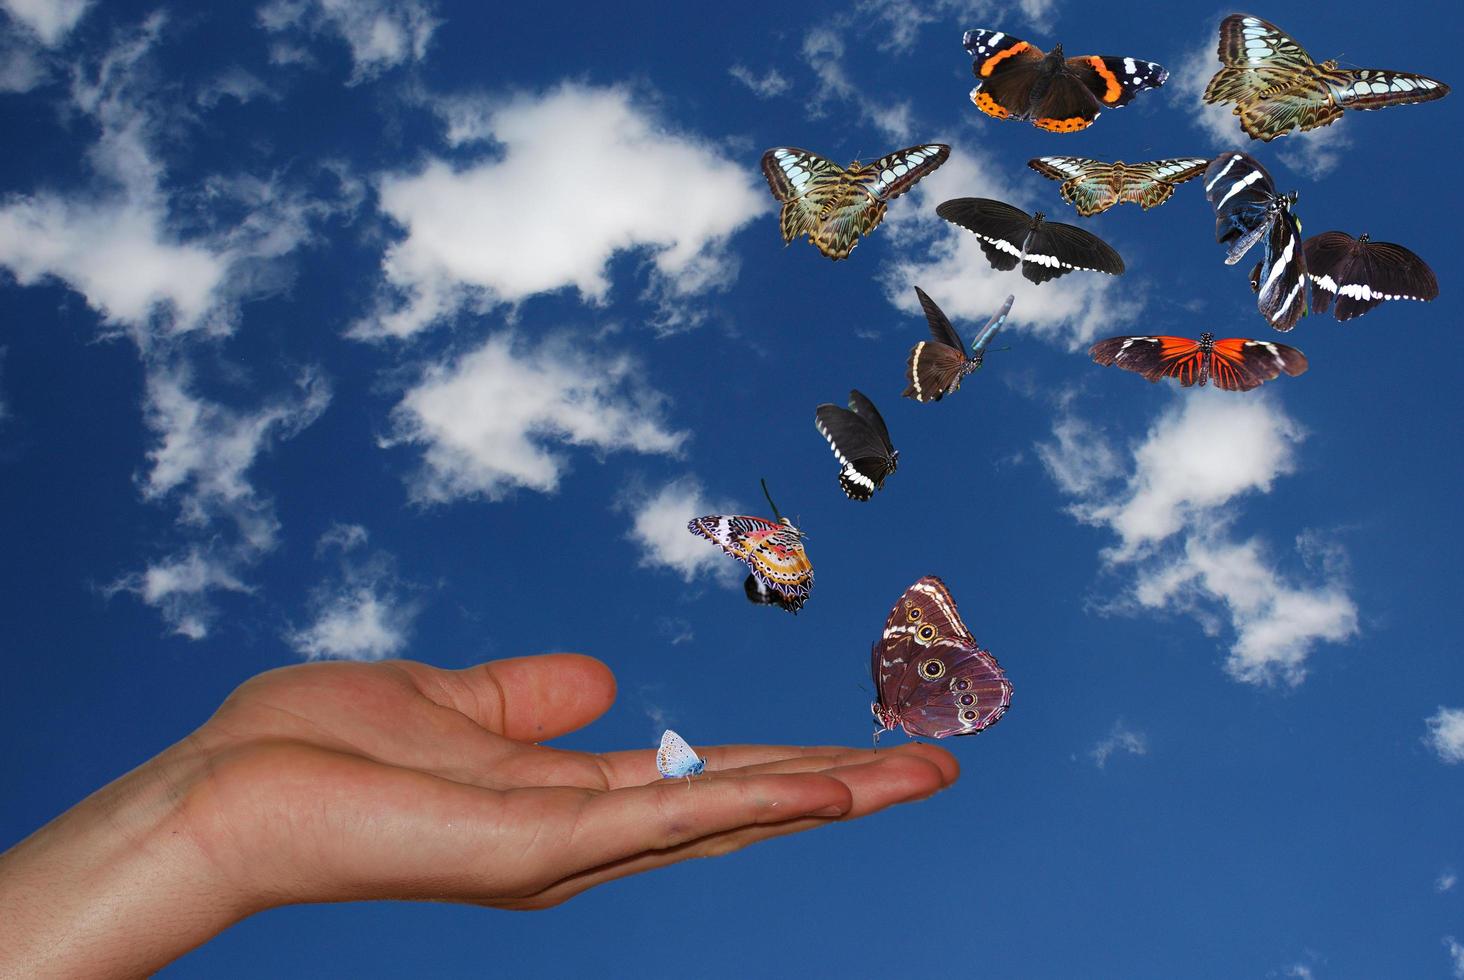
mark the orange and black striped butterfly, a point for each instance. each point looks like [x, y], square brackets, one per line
[1235, 364]
[1016, 80]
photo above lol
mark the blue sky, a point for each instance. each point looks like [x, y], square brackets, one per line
[362, 329]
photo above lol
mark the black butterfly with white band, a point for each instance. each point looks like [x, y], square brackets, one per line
[1247, 209]
[1045, 249]
[860, 442]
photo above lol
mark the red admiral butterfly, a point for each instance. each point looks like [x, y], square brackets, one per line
[1016, 80]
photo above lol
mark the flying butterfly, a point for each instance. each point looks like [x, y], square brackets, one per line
[1247, 209]
[1361, 273]
[938, 366]
[1045, 249]
[675, 758]
[860, 442]
[1277, 87]
[1234, 364]
[1015, 80]
[781, 575]
[1092, 186]
[834, 205]
[930, 676]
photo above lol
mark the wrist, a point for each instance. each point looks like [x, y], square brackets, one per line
[117, 885]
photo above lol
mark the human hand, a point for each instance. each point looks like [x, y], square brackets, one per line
[344, 781]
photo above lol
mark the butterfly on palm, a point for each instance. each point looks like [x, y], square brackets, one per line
[1015, 80]
[930, 676]
[1045, 249]
[781, 574]
[1092, 186]
[1361, 273]
[938, 366]
[1277, 87]
[861, 444]
[1247, 209]
[674, 758]
[1234, 364]
[834, 205]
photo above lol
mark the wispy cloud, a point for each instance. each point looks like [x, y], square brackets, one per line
[677, 197]
[659, 530]
[362, 611]
[1446, 881]
[49, 20]
[764, 86]
[1120, 738]
[382, 34]
[495, 418]
[1446, 734]
[823, 51]
[1456, 956]
[1206, 451]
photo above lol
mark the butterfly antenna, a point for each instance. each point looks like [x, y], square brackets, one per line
[993, 350]
[776, 512]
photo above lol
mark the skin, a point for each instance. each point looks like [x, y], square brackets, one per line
[346, 781]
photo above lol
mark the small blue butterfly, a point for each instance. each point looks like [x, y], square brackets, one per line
[676, 759]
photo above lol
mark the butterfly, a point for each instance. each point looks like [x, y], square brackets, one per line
[1247, 208]
[930, 676]
[832, 205]
[1361, 273]
[1276, 86]
[1061, 95]
[1045, 249]
[781, 575]
[1234, 364]
[1093, 186]
[938, 366]
[860, 442]
[675, 758]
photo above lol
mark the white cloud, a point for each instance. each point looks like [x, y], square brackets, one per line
[1120, 739]
[362, 612]
[1300, 970]
[1456, 956]
[1315, 153]
[115, 241]
[1173, 512]
[582, 173]
[179, 587]
[952, 268]
[823, 50]
[381, 34]
[1446, 734]
[771, 83]
[49, 20]
[23, 65]
[1445, 881]
[659, 529]
[491, 420]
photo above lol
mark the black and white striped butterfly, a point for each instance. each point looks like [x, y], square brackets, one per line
[860, 442]
[1045, 249]
[834, 205]
[1276, 86]
[1093, 186]
[1361, 273]
[937, 366]
[1247, 209]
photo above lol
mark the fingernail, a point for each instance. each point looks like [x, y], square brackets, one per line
[829, 811]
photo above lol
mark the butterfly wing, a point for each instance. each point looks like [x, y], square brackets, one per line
[926, 663]
[1055, 249]
[1088, 185]
[1151, 184]
[1372, 88]
[1114, 81]
[1243, 195]
[1362, 274]
[773, 553]
[933, 371]
[1001, 228]
[675, 758]
[1240, 364]
[895, 173]
[1068, 105]
[978, 346]
[1267, 74]
[1006, 70]
[805, 183]
[1281, 283]
[941, 330]
[1153, 357]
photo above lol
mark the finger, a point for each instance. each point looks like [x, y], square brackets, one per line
[529, 699]
[638, 766]
[874, 786]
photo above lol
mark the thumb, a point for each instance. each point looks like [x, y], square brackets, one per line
[531, 699]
